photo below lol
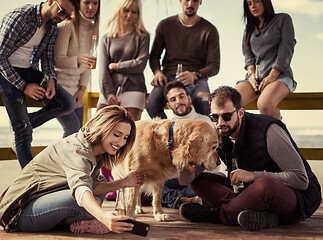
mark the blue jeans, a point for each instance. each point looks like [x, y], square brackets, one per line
[23, 122]
[156, 100]
[46, 212]
[172, 191]
[72, 122]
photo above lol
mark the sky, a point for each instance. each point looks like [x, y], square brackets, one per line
[226, 15]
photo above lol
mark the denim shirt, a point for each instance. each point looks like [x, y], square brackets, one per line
[272, 48]
[17, 28]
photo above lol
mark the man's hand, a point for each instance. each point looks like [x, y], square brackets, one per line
[50, 92]
[187, 77]
[34, 91]
[240, 175]
[190, 167]
[159, 80]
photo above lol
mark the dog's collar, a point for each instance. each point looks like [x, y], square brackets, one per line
[171, 140]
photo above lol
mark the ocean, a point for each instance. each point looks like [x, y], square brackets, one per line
[52, 132]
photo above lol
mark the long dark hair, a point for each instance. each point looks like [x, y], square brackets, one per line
[251, 21]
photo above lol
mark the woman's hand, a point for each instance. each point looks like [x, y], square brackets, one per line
[113, 100]
[113, 221]
[79, 97]
[240, 175]
[134, 179]
[86, 60]
[265, 82]
[252, 80]
[113, 67]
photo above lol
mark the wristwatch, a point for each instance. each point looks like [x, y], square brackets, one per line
[198, 74]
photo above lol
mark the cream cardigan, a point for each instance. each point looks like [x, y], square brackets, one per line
[68, 46]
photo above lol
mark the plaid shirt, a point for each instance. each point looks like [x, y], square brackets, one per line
[17, 28]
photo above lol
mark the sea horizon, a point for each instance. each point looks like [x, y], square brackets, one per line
[51, 132]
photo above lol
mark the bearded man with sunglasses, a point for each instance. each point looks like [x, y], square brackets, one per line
[27, 37]
[279, 186]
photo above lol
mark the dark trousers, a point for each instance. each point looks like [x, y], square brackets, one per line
[265, 194]
[21, 120]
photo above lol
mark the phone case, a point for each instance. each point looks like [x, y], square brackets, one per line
[139, 228]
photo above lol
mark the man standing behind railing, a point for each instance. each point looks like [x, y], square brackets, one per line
[192, 41]
[27, 36]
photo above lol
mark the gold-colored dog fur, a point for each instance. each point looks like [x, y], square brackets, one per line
[195, 141]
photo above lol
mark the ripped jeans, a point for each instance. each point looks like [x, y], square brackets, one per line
[23, 122]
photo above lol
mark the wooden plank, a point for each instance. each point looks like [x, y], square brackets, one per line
[312, 153]
[6, 153]
[297, 101]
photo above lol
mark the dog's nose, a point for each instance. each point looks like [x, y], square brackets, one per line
[218, 162]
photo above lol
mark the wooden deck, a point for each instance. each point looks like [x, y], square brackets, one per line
[180, 228]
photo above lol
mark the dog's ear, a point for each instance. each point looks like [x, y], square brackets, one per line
[181, 156]
[188, 152]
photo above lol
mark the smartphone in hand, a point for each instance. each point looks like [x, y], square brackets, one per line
[139, 228]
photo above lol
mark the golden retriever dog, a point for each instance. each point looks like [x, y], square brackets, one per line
[194, 142]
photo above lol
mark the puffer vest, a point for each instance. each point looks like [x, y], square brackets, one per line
[250, 150]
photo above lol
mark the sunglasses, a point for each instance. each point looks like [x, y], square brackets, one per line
[226, 116]
[62, 12]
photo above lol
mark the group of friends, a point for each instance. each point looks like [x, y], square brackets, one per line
[61, 185]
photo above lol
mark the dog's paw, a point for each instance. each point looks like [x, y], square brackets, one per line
[162, 217]
[139, 210]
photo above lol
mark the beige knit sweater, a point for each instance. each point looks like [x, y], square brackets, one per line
[68, 46]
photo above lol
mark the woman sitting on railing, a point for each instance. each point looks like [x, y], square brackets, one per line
[268, 47]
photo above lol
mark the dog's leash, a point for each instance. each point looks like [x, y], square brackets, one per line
[171, 140]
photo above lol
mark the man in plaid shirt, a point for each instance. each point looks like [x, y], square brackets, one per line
[27, 37]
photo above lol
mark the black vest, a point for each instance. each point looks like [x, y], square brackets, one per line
[251, 152]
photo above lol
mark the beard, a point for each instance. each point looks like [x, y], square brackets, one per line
[230, 130]
[50, 19]
[187, 111]
[190, 14]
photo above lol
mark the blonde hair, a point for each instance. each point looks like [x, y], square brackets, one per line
[114, 23]
[99, 127]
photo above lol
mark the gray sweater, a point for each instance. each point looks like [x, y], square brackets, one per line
[273, 47]
[131, 53]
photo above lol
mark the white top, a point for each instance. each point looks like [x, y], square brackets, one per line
[194, 116]
[22, 56]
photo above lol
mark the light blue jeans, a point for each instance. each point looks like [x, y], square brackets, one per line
[44, 213]
[156, 100]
